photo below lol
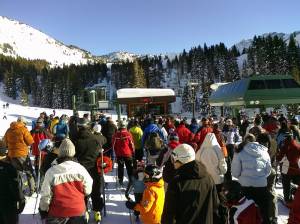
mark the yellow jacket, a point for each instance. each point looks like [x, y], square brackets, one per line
[17, 139]
[53, 123]
[137, 134]
[152, 204]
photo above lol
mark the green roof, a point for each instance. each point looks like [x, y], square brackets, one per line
[257, 91]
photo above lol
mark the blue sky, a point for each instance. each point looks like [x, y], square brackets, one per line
[153, 26]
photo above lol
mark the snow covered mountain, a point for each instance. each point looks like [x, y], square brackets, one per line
[119, 56]
[19, 39]
[247, 43]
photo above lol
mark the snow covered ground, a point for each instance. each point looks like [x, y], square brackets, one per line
[116, 210]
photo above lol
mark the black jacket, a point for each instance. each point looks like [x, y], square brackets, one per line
[101, 139]
[108, 130]
[11, 195]
[191, 196]
[87, 149]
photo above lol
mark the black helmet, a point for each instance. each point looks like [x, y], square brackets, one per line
[154, 173]
[83, 123]
[232, 191]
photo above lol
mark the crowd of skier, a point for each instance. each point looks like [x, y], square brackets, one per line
[179, 171]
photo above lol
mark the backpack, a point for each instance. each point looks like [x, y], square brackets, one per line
[26, 183]
[154, 143]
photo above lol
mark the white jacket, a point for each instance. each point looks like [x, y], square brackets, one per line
[210, 154]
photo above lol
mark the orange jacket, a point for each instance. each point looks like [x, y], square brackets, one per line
[152, 204]
[17, 139]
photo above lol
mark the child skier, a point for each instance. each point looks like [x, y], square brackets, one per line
[240, 209]
[137, 184]
[152, 203]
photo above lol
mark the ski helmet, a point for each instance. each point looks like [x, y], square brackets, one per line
[232, 192]
[45, 145]
[154, 173]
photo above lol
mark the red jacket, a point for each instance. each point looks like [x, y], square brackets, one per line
[123, 143]
[245, 212]
[292, 152]
[200, 135]
[184, 134]
[294, 217]
[38, 134]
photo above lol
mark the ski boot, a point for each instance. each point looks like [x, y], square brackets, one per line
[98, 217]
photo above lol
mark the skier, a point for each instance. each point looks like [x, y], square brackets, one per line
[64, 188]
[4, 116]
[251, 165]
[17, 139]
[241, 209]
[151, 205]
[137, 134]
[191, 186]
[87, 151]
[124, 150]
[12, 200]
[108, 130]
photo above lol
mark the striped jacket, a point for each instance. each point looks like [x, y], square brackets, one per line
[64, 188]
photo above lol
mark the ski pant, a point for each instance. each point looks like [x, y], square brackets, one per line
[139, 154]
[129, 167]
[260, 196]
[286, 184]
[97, 200]
[273, 209]
[71, 220]
[230, 151]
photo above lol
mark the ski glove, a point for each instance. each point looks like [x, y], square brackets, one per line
[130, 204]
[43, 214]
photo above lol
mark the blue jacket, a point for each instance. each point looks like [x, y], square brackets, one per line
[61, 129]
[252, 165]
[194, 127]
[151, 128]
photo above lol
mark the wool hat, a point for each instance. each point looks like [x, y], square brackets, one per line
[183, 153]
[22, 119]
[66, 149]
[97, 128]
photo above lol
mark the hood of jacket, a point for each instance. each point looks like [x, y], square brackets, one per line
[209, 141]
[192, 170]
[255, 149]
[16, 125]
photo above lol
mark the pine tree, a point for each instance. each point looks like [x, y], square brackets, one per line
[24, 98]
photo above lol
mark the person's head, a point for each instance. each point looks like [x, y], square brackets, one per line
[22, 120]
[173, 137]
[40, 122]
[66, 149]
[249, 138]
[232, 192]
[182, 154]
[121, 125]
[204, 122]
[257, 120]
[83, 124]
[229, 122]
[264, 139]
[97, 128]
[152, 173]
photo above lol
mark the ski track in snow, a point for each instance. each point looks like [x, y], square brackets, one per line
[115, 199]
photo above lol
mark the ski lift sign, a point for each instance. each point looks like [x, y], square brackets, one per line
[147, 100]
